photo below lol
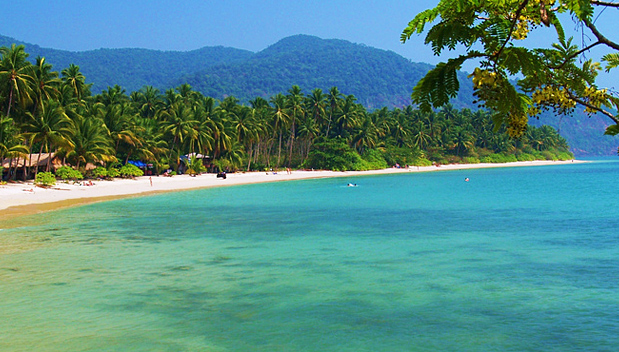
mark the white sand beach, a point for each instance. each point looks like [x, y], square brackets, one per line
[24, 198]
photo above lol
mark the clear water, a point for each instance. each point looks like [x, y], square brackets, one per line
[517, 259]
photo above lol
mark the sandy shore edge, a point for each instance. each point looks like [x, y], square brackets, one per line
[17, 199]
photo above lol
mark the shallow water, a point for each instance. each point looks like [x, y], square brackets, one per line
[517, 259]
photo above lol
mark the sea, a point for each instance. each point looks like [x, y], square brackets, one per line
[514, 259]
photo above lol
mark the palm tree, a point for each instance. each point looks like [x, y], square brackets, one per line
[295, 111]
[177, 122]
[279, 119]
[421, 138]
[51, 127]
[246, 130]
[308, 131]
[73, 78]
[118, 119]
[334, 99]
[149, 100]
[11, 141]
[463, 140]
[89, 142]
[46, 83]
[348, 117]
[113, 95]
[366, 135]
[317, 105]
[152, 145]
[15, 76]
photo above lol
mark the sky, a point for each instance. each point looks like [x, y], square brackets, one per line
[79, 25]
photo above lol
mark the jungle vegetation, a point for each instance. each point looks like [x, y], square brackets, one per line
[42, 110]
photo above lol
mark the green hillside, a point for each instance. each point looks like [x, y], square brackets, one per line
[133, 68]
[376, 77]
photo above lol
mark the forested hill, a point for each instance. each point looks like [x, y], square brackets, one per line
[377, 78]
[133, 68]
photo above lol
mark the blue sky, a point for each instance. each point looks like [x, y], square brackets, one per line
[79, 25]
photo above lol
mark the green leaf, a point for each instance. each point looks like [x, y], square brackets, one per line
[417, 25]
[554, 20]
[581, 8]
[612, 130]
[517, 59]
[449, 34]
[612, 61]
[439, 85]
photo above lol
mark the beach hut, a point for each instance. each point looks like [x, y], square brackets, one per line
[17, 166]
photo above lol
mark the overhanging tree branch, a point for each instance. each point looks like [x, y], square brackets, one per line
[604, 3]
[600, 36]
[593, 107]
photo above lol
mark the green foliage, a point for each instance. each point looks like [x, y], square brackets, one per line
[195, 166]
[68, 173]
[113, 172]
[612, 61]
[403, 156]
[374, 160]
[471, 160]
[45, 179]
[525, 157]
[99, 172]
[130, 171]
[332, 155]
[438, 86]
[557, 77]
[499, 158]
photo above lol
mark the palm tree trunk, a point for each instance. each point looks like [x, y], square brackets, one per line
[329, 124]
[249, 158]
[291, 144]
[8, 111]
[279, 152]
[36, 170]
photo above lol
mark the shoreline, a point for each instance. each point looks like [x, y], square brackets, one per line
[23, 198]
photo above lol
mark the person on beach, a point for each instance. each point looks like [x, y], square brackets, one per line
[151, 181]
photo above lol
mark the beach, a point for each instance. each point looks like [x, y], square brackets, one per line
[24, 198]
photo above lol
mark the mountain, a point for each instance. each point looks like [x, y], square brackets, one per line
[133, 68]
[376, 77]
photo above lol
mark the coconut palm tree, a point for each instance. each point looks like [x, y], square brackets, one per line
[11, 141]
[177, 123]
[334, 99]
[421, 138]
[348, 117]
[294, 104]
[51, 127]
[366, 135]
[463, 140]
[16, 80]
[308, 131]
[279, 120]
[89, 142]
[45, 83]
[73, 78]
[119, 121]
[317, 105]
[148, 100]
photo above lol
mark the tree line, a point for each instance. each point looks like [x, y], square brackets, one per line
[43, 111]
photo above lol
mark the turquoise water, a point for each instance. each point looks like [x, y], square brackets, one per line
[517, 259]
